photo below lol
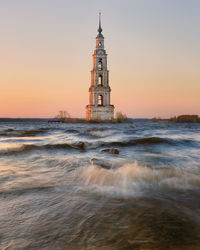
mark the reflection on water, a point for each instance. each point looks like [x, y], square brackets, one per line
[58, 190]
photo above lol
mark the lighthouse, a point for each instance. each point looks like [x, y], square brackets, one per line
[99, 107]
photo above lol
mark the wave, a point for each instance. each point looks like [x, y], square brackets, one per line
[20, 191]
[138, 141]
[147, 141]
[30, 147]
[35, 131]
[97, 132]
[134, 179]
[96, 129]
[74, 131]
[24, 133]
[8, 132]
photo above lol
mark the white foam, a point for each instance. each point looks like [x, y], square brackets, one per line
[135, 180]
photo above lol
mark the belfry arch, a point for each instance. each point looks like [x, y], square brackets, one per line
[100, 80]
[100, 100]
[100, 64]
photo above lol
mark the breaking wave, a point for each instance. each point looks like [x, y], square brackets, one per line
[135, 180]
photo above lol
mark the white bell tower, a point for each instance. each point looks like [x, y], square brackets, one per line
[99, 107]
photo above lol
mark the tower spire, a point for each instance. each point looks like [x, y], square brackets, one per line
[99, 29]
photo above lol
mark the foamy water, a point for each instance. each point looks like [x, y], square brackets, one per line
[59, 191]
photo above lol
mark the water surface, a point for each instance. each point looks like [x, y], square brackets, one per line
[59, 191]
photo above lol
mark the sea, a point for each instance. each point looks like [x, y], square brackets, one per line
[59, 188]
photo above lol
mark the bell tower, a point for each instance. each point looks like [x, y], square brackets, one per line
[99, 107]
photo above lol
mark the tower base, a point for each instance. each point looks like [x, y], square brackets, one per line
[104, 113]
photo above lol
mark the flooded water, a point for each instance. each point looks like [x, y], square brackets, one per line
[58, 190]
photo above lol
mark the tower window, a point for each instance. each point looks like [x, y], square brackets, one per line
[100, 80]
[100, 65]
[100, 44]
[100, 100]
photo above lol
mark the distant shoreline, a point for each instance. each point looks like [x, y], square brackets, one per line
[179, 119]
[175, 119]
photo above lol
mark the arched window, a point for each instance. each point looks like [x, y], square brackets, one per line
[100, 65]
[100, 100]
[100, 80]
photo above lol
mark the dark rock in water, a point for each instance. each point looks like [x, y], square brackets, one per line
[101, 163]
[79, 145]
[111, 150]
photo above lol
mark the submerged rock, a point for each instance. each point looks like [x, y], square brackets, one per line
[101, 163]
[79, 145]
[111, 150]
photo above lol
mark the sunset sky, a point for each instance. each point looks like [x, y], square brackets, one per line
[46, 49]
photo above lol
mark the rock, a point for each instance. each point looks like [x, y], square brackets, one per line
[111, 150]
[79, 145]
[100, 163]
